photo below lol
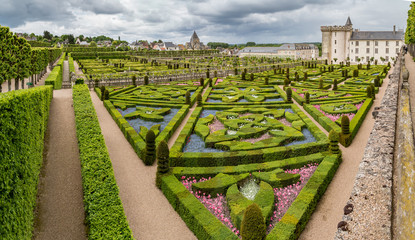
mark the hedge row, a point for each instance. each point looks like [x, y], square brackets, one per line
[136, 141]
[104, 212]
[199, 159]
[102, 55]
[23, 122]
[196, 216]
[55, 77]
[295, 219]
[71, 64]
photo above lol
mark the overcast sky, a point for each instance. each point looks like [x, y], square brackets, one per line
[231, 21]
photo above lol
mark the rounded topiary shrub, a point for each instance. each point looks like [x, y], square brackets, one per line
[243, 76]
[253, 225]
[335, 84]
[345, 124]
[251, 77]
[199, 99]
[305, 76]
[134, 79]
[377, 81]
[236, 71]
[373, 91]
[106, 95]
[289, 94]
[286, 82]
[307, 97]
[145, 80]
[102, 88]
[188, 97]
[163, 164]
[150, 153]
[334, 142]
[266, 81]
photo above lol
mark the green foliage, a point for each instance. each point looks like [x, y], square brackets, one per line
[320, 84]
[219, 184]
[145, 80]
[289, 94]
[23, 122]
[334, 84]
[163, 165]
[377, 81]
[202, 82]
[266, 80]
[134, 79]
[307, 97]
[150, 155]
[253, 225]
[410, 26]
[345, 125]
[187, 96]
[251, 77]
[334, 142]
[199, 99]
[103, 208]
[106, 94]
[369, 92]
[102, 88]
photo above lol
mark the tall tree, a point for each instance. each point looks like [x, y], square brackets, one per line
[47, 35]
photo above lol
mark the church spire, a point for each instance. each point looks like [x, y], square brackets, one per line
[348, 22]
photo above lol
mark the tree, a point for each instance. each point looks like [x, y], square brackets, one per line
[92, 44]
[335, 59]
[150, 154]
[47, 35]
[81, 37]
[253, 225]
[250, 44]
[163, 164]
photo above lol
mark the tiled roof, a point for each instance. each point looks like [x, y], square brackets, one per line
[386, 35]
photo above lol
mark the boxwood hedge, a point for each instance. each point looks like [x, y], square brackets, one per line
[23, 122]
[104, 212]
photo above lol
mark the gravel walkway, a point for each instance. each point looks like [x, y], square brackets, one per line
[60, 209]
[148, 212]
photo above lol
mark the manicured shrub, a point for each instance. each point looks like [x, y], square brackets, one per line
[210, 82]
[150, 152]
[369, 91]
[188, 97]
[236, 71]
[334, 142]
[368, 66]
[251, 77]
[377, 81]
[345, 124]
[207, 74]
[335, 84]
[373, 91]
[199, 99]
[106, 95]
[286, 82]
[289, 94]
[215, 74]
[102, 88]
[305, 76]
[266, 81]
[253, 225]
[243, 77]
[79, 81]
[320, 84]
[145, 80]
[307, 97]
[355, 73]
[202, 82]
[134, 78]
[163, 165]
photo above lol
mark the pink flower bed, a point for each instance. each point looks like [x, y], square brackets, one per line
[335, 117]
[217, 205]
[218, 81]
[182, 84]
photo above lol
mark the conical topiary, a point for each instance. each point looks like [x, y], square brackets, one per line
[286, 82]
[106, 95]
[320, 84]
[266, 80]
[202, 82]
[243, 76]
[334, 142]
[188, 97]
[134, 79]
[251, 77]
[369, 91]
[335, 84]
[253, 226]
[345, 124]
[289, 94]
[150, 154]
[163, 164]
[373, 91]
[102, 88]
[199, 99]
[377, 81]
[307, 97]
[145, 80]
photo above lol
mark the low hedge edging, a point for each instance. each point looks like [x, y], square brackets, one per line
[105, 215]
[55, 77]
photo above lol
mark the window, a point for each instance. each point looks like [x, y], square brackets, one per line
[335, 34]
[356, 50]
[397, 50]
[376, 43]
[352, 50]
[335, 41]
[397, 43]
[376, 51]
[387, 58]
[352, 43]
[387, 43]
[355, 59]
[357, 43]
[367, 50]
[367, 43]
[387, 50]
[335, 51]
[367, 58]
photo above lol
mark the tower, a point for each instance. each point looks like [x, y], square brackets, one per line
[195, 41]
[335, 41]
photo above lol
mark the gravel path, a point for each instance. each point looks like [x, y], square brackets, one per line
[60, 209]
[148, 212]
[329, 211]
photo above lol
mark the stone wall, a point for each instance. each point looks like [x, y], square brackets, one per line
[368, 214]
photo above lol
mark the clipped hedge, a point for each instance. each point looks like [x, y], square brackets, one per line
[104, 212]
[55, 77]
[23, 122]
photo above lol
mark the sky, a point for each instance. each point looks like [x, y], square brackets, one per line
[230, 21]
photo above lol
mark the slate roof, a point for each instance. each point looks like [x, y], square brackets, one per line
[385, 35]
[169, 45]
[348, 22]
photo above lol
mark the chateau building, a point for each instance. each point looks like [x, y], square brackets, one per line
[289, 50]
[342, 43]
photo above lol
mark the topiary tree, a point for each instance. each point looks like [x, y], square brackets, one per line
[355, 73]
[286, 82]
[150, 152]
[266, 81]
[199, 99]
[289, 94]
[207, 74]
[335, 84]
[215, 74]
[134, 78]
[305, 76]
[106, 95]
[252, 77]
[187, 95]
[202, 82]
[210, 82]
[307, 97]
[253, 225]
[236, 71]
[345, 124]
[163, 164]
[145, 80]
[334, 142]
[373, 91]
[377, 81]
[320, 84]
[243, 76]
[369, 91]
[102, 88]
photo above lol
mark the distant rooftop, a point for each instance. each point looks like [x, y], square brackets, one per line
[377, 35]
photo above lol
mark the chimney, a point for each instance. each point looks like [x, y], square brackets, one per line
[394, 29]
